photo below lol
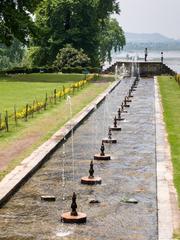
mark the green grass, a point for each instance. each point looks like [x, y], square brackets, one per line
[22, 89]
[42, 77]
[170, 93]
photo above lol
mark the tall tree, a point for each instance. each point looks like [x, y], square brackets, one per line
[111, 39]
[16, 20]
[76, 22]
[11, 56]
[68, 21]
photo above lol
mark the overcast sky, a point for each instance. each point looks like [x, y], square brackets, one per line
[150, 16]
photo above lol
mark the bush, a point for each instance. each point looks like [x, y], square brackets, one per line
[71, 57]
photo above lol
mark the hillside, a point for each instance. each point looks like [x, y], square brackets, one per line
[154, 41]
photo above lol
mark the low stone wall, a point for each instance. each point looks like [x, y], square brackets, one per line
[147, 69]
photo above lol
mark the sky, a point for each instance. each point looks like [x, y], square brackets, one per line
[151, 16]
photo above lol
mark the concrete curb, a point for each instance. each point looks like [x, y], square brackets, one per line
[168, 217]
[12, 181]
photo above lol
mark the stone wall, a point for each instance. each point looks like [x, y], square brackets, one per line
[147, 69]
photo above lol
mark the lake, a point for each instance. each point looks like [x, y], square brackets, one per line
[171, 58]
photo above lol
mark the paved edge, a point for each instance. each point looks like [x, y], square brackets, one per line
[168, 212]
[12, 181]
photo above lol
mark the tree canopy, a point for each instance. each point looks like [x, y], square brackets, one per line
[112, 39]
[11, 56]
[77, 22]
[16, 20]
[49, 25]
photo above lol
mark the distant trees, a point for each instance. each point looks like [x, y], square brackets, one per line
[111, 38]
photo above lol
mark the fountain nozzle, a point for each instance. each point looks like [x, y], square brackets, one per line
[91, 170]
[74, 205]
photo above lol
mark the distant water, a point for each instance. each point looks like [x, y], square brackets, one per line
[171, 58]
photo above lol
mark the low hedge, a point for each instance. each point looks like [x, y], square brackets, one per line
[23, 70]
[80, 70]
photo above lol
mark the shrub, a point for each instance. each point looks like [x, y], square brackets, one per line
[71, 57]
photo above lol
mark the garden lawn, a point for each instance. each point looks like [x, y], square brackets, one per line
[170, 93]
[23, 89]
[27, 136]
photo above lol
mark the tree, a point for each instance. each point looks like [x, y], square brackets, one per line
[64, 22]
[71, 57]
[16, 20]
[111, 38]
[75, 22]
[11, 56]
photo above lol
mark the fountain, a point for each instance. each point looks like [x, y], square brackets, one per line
[119, 116]
[115, 127]
[133, 88]
[91, 180]
[128, 99]
[132, 68]
[125, 102]
[73, 216]
[116, 74]
[120, 72]
[122, 108]
[109, 139]
[102, 155]
[123, 70]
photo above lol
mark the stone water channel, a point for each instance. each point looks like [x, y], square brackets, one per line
[130, 174]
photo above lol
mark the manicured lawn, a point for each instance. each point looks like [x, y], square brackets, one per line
[43, 77]
[170, 93]
[23, 89]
